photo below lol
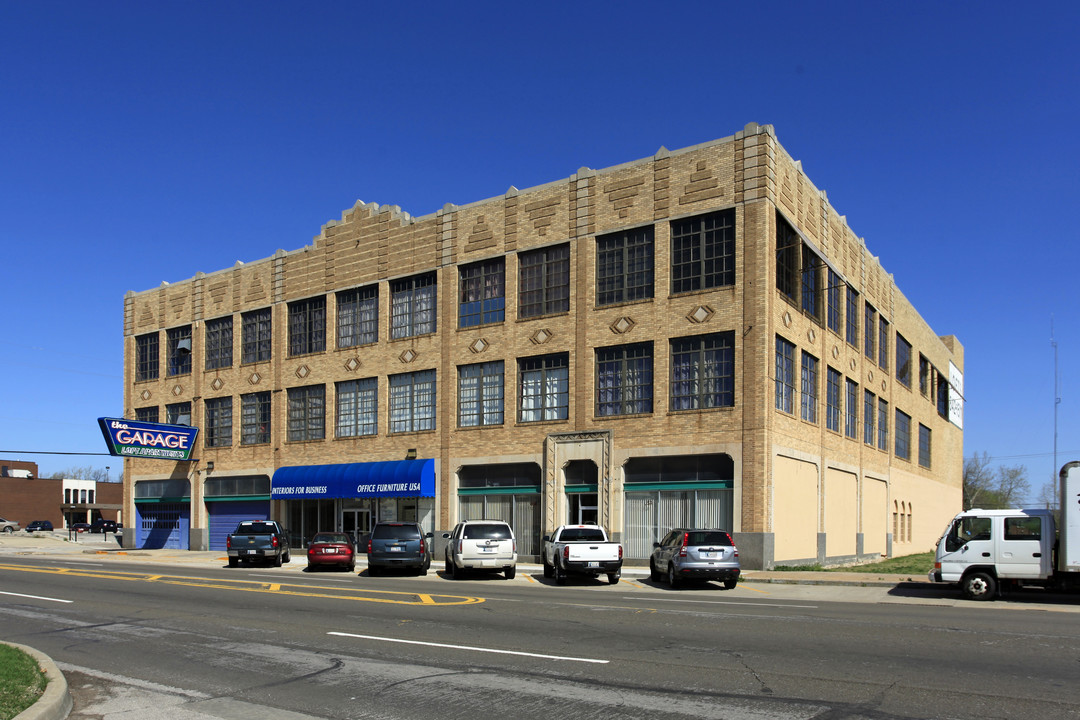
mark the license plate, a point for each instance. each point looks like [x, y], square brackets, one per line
[330, 551]
[488, 549]
[395, 549]
[592, 564]
[251, 552]
[709, 555]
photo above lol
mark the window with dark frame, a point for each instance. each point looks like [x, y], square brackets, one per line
[624, 266]
[178, 413]
[178, 350]
[788, 259]
[481, 394]
[256, 338]
[307, 326]
[218, 422]
[482, 292]
[357, 404]
[412, 402]
[903, 435]
[925, 371]
[703, 372]
[869, 413]
[306, 413]
[883, 343]
[811, 283]
[146, 357]
[943, 396]
[870, 331]
[255, 418]
[544, 281]
[883, 425]
[219, 343]
[624, 380]
[851, 408]
[785, 375]
[832, 399]
[834, 313]
[544, 388]
[809, 397]
[903, 361]
[852, 316]
[147, 414]
[358, 316]
[703, 252]
[924, 446]
[413, 306]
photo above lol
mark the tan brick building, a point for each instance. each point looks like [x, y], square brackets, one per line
[693, 338]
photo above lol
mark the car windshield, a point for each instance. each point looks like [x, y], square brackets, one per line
[341, 538]
[708, 537]
[386, 531]
[487, 532]
[256, 528]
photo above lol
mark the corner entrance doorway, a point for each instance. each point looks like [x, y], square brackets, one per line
[357, 523]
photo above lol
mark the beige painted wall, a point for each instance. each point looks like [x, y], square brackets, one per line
[795, 492]
[841, 512]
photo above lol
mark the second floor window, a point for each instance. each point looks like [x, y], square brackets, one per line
[624, 266]
[307, 413]
[703, 252]
[480, 394]
[832, 400]
[147, 414]
[903, 361]
[482, 293]
[358, 316]
[412, 401]
[255, 418]
[178, 413]
[851, 407]
[924, 446]
[624, 380]
[412, 306]
[178, 350]
[544, 281]
[785, 375]
[357, 407]
[544, 392]
[869, 413]
[809, 387]
[146, 357]
[883, 425]
[255, 336]
[219, 422]
[219, 343]
[703, 371]
[307, 326]
[903, 435]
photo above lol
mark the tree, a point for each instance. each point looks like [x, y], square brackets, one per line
[85, 472]
[978, 480]
[988, 487]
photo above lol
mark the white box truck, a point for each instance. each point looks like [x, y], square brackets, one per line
[987, 551]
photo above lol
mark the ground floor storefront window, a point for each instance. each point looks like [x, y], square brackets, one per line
[508, 492]
[355, 516]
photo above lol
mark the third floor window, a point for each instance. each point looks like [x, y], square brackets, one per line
[624, 266]
[703, 252]
[307, 326]
[544, 281]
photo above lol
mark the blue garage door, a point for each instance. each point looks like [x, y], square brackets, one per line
[224, 516]
[162, 525]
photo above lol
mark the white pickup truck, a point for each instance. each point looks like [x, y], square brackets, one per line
[581, 550]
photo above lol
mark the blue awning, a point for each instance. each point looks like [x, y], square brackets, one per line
[394, 478]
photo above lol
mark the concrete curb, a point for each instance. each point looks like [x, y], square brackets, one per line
[55, 703]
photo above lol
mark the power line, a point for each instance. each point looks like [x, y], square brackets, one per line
[49, 452]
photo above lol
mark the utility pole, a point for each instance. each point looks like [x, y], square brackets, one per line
[1057, 401]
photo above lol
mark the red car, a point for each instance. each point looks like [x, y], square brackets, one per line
[331, 549]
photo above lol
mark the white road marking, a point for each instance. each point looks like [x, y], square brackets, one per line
[722, 602]
[469, 647]
[36, 597]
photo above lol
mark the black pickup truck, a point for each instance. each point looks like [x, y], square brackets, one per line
[258, 541]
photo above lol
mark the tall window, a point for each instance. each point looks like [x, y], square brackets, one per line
[624, 380]
[178, 413]
[624, 266]
[307, 326]
[544, 392]
[219, 422]
[703, 252]
[903, 360]
[852, 315]
[883, 425]
[788, 257]
[869, 413]
[832, 400]
[357, 408]
[178, 350]
[924, 375]
[482, 286]
[412, 401]
[811, 283]
[834, 313]
[903, 435]
[146, 357]
[256, 339]
[544, 281]
[924, 446]
[809, 397]
[785, 375]
[219, 343]
[412, 306]
[255, 418]
[703, 371]
[480, 394]
[870, 331]
[851, 408]
[147, 414]
[358, 316]
[943, 396]
[307, 413]
[883, 343]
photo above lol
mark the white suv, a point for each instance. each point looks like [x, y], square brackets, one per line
[481, 545]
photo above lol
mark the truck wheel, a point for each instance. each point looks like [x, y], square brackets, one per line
[978, 586]
[511, 572]
[560, 576]
[672, 577]
[277, 561]
[654, 574]
[730, 583]
[233, 562]
[613, 578]
[288, 557]
[549, 570]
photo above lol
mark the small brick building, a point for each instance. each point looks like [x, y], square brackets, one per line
[25, 497]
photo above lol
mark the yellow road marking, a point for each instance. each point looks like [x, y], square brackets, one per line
[334, 593]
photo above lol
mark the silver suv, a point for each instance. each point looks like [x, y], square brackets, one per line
[481, 545]
[8, 526]
[695, 554]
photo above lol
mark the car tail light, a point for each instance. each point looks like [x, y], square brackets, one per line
[513, 544]
[685, 539]
[423, 548]
[620, 552]
[228, 543]
[735, 551]
[460, 546]
[566, 552]
[937, 566]
[369, 546]
[273, 541]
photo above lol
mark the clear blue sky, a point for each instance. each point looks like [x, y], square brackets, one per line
[143, 142]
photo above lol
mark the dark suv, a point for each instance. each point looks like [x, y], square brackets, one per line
[103, 526]
[695, 554]
[398, 545]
